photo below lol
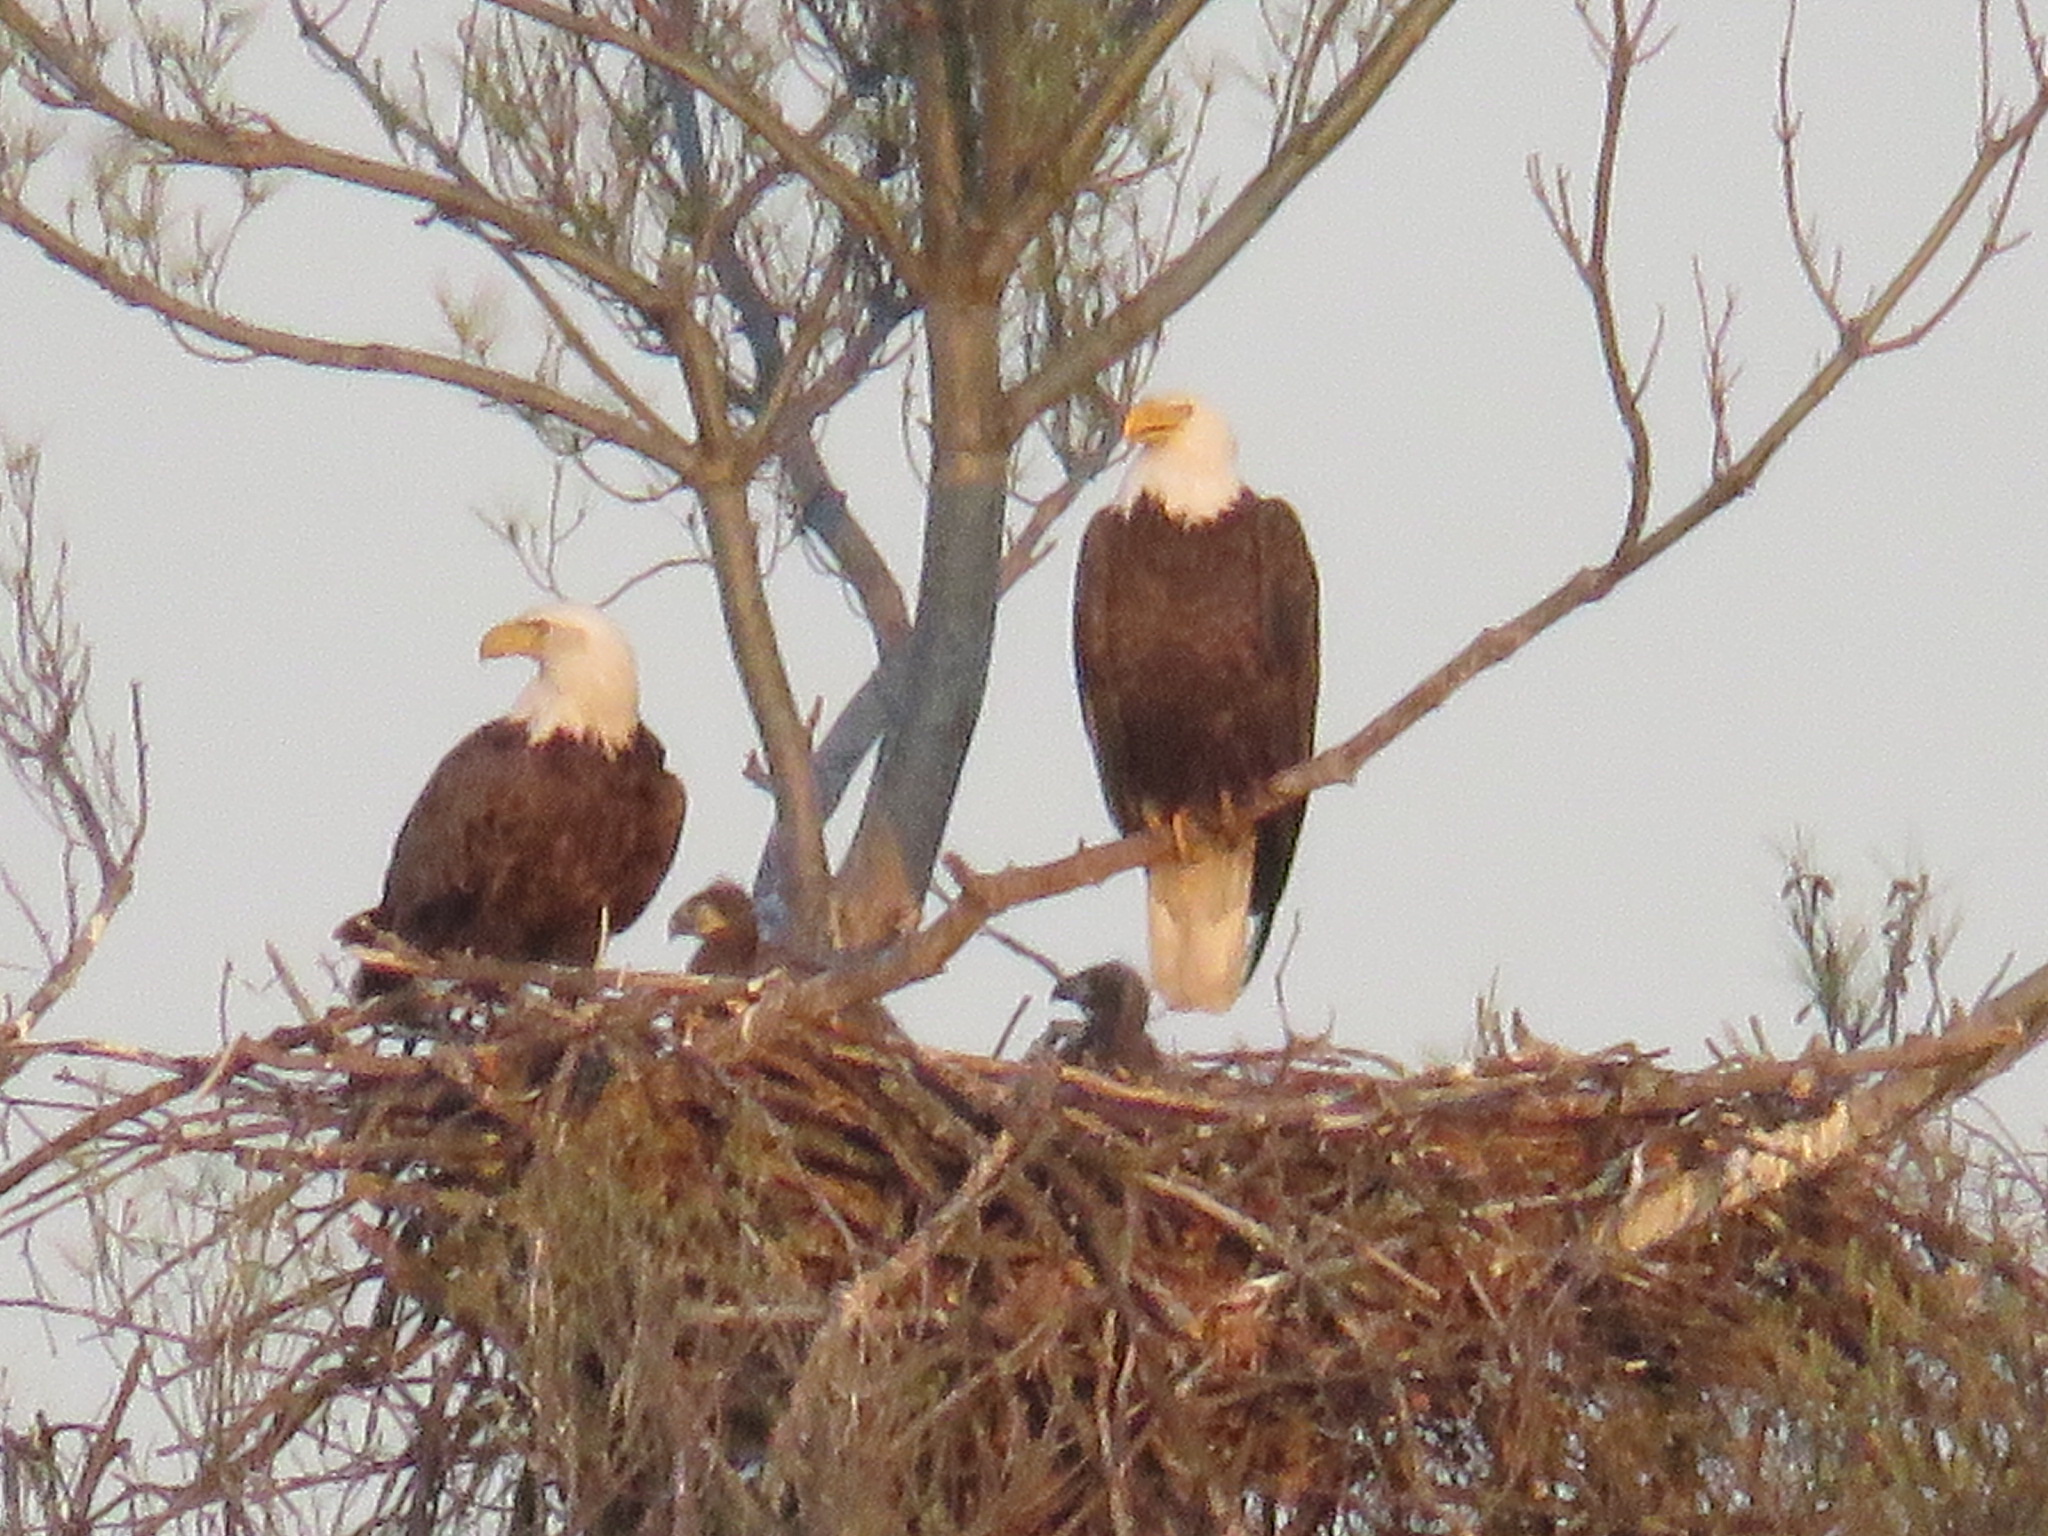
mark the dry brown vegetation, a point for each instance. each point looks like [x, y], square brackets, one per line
[666, 1256]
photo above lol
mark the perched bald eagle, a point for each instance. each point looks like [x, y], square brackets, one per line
[542, 833]
[1197, 653]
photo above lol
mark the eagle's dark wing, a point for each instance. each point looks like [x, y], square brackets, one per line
[1291, 681]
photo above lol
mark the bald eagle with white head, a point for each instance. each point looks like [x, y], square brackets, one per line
[1197, 651]
[544, 832]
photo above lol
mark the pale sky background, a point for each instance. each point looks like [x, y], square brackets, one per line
[292, 565]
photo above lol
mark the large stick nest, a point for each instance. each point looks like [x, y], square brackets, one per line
[753, 1270]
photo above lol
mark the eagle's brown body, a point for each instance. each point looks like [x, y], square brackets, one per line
[529, 850]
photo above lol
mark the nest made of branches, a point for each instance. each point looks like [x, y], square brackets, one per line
[741, 1268]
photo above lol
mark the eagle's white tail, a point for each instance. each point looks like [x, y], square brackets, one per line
[1199, 919]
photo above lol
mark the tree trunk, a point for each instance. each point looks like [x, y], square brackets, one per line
[882, 886]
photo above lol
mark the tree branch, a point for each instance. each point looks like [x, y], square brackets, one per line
[942, 136]
[61, 760]
[577, 340]
[652, 441]
[822, 512]
[721, 485]
[757, 655]
[792, 878]
[1051, 188]
[1624, 47]
[789, 418]
[1179, 280]
[1972, 1053]
[270, 148]
[857, 201]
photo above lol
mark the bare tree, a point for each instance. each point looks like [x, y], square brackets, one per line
[722, 217]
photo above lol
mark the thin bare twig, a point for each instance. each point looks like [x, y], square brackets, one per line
[60, 759]
[1624, 46]
[1718, 374]
[1825, 286]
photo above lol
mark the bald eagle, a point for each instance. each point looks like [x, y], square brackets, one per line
[1111, 1030]
[728, 932]
[1196, 648]
[545, 831]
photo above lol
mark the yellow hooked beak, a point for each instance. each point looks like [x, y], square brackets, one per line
[514, 637]
[1156, 418]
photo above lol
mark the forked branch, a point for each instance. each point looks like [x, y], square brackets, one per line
[1402, 33]
[1624, 45]
[96, 799]
[2005, 141]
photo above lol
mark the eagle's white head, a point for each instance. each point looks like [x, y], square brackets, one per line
[587, 684]
[1186, 457]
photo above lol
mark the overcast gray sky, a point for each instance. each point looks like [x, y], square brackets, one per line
[292, 565]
